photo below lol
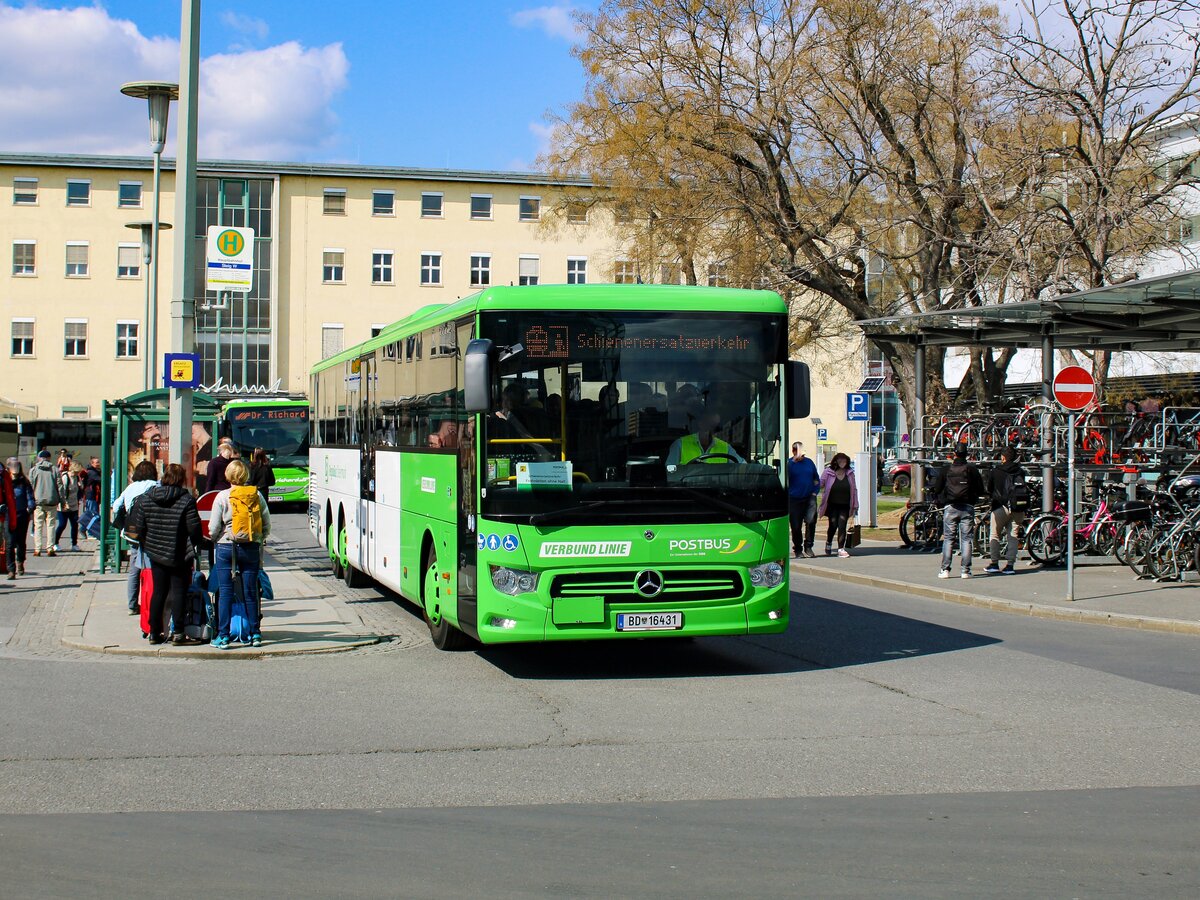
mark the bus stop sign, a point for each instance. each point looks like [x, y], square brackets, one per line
[1074, 388]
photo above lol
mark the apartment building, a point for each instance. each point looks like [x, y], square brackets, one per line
[339, 251]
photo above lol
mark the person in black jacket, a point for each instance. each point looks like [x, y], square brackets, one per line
[959, 487]
[167, 525]
[262, 476]
[1010, 501]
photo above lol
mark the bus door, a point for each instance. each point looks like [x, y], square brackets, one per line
[368, 401]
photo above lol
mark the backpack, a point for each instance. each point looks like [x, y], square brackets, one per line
[1015, 492]
[958, 484]
[64, 487]
[245, 515]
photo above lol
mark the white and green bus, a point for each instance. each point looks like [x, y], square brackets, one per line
[565, 462]
[280, 426]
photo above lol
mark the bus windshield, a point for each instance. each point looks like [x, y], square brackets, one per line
[281, 431]
[635, 417]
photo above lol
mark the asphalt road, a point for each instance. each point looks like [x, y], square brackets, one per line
[885, 745]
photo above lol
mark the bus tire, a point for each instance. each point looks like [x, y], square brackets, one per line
[334, 560]
[445, 636]
[353, 577]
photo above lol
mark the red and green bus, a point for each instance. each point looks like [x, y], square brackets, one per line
[565, 462]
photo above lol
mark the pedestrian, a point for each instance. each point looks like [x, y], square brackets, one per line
[20, 510]
[68, 509]
[145, 476]
[166, 525]
[262, 475]
[1010, 501]
[46, 497]
[63, 463]
[93, 479]
[238, 526]
[959, 487]
[803, 484]
[839, 501]
[216, 468]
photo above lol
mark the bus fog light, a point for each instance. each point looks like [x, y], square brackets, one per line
[498, 622]
[775, 614]
[767, 575]
[513, 581]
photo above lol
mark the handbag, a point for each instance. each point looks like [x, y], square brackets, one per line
[854, 535]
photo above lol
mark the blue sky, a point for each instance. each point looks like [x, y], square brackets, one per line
[463, 84]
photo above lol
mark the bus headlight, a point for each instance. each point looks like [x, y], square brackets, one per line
[767, 575]
[513, 581]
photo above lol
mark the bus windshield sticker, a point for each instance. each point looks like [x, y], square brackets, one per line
[544, 476]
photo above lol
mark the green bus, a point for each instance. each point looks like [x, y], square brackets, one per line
[565, 462]
[280, 426]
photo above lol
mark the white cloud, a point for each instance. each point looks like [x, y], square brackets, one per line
[62, 70]
[543, 133]
[555, 20]
[247, 25]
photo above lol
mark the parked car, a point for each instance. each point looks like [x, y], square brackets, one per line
[898, 474]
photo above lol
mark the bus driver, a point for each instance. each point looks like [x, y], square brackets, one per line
[704, 441]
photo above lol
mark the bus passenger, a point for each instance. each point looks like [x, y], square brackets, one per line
[703, 442]
[446, 436]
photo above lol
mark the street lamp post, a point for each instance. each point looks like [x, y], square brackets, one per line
[146, 230]
[158, 95]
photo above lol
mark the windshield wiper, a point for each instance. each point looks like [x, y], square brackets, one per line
[716, 503]
[570, 511]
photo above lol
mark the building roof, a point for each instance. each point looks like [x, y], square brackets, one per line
[270, 169]
[1160, 313]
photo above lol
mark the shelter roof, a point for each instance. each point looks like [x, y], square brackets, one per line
[1160, 313]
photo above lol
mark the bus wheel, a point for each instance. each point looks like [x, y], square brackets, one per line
[334, 559]
[445, 636]
[353, 577]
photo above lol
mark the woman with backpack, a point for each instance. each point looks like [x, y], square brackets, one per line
[165, 523]
[238, 526]
[68, 509]
[839, 501]
[262, 476]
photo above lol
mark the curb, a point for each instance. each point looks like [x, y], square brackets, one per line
[982, 601]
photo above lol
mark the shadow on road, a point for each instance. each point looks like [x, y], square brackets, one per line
[824, 634]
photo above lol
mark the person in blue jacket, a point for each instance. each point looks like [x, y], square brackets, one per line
[18, 504]
[803, 482]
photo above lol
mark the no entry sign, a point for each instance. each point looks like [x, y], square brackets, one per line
[1074, 388]
[204, 505]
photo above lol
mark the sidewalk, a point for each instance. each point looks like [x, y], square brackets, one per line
[1105, 593]
[300, 620]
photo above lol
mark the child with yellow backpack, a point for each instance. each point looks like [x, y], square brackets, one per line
[238, 527]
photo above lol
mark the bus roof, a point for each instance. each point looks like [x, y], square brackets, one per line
[606, 297]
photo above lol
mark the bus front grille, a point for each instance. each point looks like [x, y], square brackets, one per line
[617, 586]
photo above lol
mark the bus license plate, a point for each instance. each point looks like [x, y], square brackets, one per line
[658, 621]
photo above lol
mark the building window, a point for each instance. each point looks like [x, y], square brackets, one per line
[530, 209]
[624, 272]
[335, 202]
[718, 275]
[377, 330]
[1184, 231]
[331, 339]
[24, 257]
[333, 266]
[481, 269]
[75, 338]
[431, 206]
[383, 203]
[77, 259]
[381, 267]
[431, 268]
[79, 192]
[577, 212]
[129, 194]
[527, 270]
[127, 339]
[576, 270]
[76, 412]
[481, 206]
[22, 337]
[129, 260]
[25, 191]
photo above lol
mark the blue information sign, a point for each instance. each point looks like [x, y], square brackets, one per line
[858, 406]
[822, 434]
[181, 370]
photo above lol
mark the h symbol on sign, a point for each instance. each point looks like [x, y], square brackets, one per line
[231, 243]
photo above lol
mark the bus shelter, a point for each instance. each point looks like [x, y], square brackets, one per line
[134, 429]
[1159, 314]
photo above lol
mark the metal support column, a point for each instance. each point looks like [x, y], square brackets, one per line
[1046, 429]
[917, 430]
[183, 294]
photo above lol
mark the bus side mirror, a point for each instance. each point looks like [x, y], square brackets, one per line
[478, 366]
[799, 397]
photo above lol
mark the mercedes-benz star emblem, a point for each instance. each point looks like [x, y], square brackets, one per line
[648, 583]
[648, 534]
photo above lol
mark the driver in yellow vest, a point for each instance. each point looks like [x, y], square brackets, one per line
[704, 443]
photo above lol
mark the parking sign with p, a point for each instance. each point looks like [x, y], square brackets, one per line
[858, 406]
